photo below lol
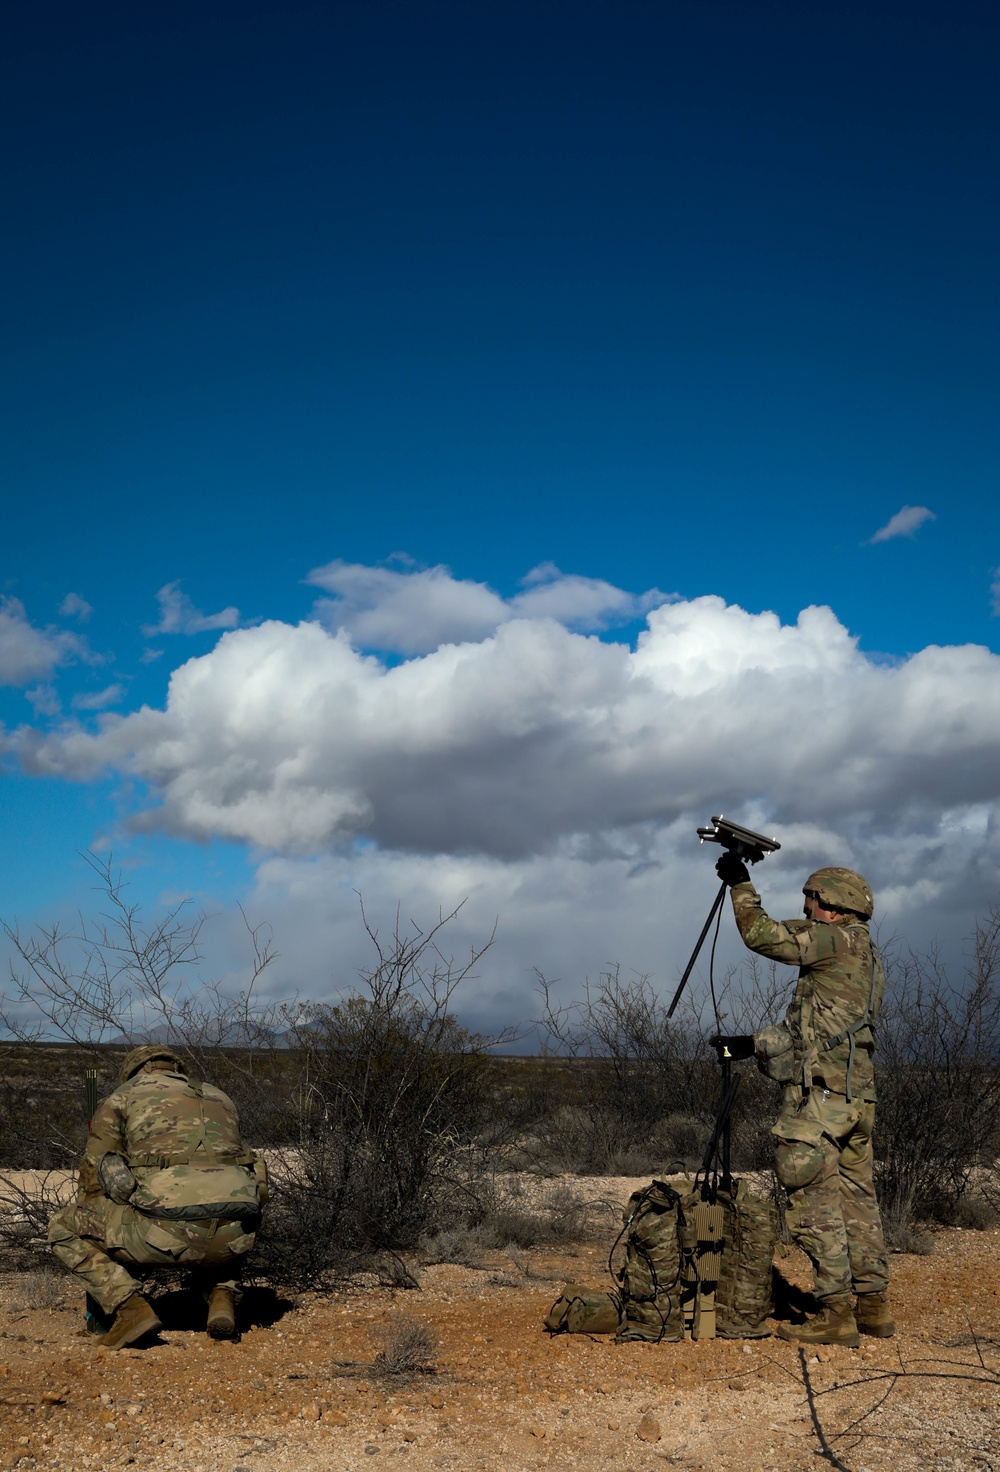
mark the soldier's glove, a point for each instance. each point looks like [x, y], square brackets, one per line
[737, 1047]
[117, 1180]
[732, 870]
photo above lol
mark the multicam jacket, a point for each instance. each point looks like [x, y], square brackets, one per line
[181, 1140]
[840, 977]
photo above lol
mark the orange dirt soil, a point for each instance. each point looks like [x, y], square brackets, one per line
[298, 1390]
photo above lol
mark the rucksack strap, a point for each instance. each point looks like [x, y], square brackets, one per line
[847, 1033]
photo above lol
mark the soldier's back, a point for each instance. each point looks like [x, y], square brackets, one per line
[168, 1115]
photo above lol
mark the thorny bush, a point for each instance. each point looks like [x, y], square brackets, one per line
[393, 1101]
[937, 1132]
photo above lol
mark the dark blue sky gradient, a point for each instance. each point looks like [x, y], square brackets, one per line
[694, 296]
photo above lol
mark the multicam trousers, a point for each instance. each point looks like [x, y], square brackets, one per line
[99, 1241]
[823, 1158]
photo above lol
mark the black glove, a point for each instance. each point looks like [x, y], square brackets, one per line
[736, 1047]
[732, 870]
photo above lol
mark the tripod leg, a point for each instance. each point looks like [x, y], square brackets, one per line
[721, 1133]
[694, 954]
[727, 1127]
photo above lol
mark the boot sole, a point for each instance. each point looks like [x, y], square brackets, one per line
[222, 1331]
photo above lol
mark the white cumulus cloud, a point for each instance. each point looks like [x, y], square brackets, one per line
[29, 653]
[536, 737]
[99, 699]
[178, 615]
[905, 523]
[73, 606]
[414, 612]
[556, 778]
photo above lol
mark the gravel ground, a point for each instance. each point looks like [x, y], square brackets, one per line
[299, 1389]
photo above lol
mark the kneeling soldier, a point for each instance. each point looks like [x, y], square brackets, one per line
[164, 1182]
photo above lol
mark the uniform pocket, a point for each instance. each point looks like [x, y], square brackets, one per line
[163, 1241]
[798, 1152]
[242, 1245]
[115, 1224]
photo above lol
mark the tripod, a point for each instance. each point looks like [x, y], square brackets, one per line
[751, 848]
[715, 1178]
[716, 1166]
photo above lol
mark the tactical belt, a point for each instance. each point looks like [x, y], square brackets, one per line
[164, 1162]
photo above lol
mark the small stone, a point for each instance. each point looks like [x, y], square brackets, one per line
[409, 1436]
[371, 1451]
[437, 1401]
[333, 1418]
[538, 1431]
[737, 1385]
[648, 1429]
[53, 1397]
[613, 1425]
[310, 1411]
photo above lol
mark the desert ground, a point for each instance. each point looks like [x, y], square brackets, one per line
[301, 1389]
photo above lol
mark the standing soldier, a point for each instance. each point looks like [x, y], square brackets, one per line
[164, 1182]
[823, 1056]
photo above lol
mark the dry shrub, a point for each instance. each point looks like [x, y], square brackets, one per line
[406, 1347]
[937, 1130]
[458, 1244]
[394, 1095]
[27, 1201]
[900, 1230]
[510, 1225]
[38, 1290]
[638, 1091]
[500, 1279]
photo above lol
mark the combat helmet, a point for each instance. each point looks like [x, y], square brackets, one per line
[137, 1057]
[841, 889]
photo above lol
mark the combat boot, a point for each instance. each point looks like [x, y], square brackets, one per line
[873, 1316]
[834, 1324]
[134, 1320]
[221, 1313]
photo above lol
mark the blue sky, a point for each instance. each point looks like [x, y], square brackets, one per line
[685, 301]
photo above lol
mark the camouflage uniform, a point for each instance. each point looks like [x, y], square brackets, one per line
[167, 1149]
[823, 1150]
